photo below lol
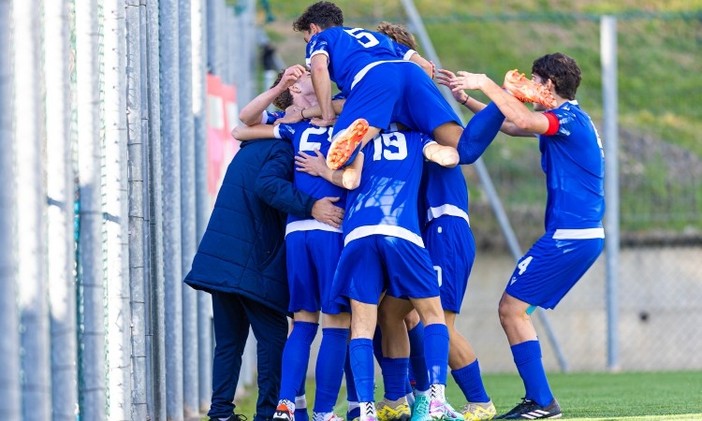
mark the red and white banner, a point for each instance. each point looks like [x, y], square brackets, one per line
[222, 117]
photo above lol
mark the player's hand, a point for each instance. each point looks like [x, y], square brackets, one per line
[326, 212]
[315, 165]
[291, 75]
[293, 114]
[444, 77]
[466, 80]
[323, 122]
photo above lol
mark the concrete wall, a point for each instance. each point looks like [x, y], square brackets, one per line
[660, 314]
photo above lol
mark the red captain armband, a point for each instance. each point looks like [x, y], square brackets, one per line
[553, 124]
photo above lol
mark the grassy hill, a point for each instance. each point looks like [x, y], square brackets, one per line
[660, 87]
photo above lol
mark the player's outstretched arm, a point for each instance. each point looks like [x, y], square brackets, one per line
[444, 77]
[251, 113]
[258, 131]
[446, 156]
[316, 165]
[527, 122]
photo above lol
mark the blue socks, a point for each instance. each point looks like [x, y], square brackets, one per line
[361, 355]
[354, 411]
[296, 356]
[527, 357]
[471, 383]
[436, 349]
[479, 133]
[418, 364]
[330, 368]
[394, 377]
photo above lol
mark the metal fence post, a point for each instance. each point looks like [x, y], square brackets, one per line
[31, 215]
[60, 188]
[115, 208]
[155, 293]
[9, 317]
[188, 209]
[608, 48]
[198, 13]
[137, 132]
[92, 391]
[170, 123]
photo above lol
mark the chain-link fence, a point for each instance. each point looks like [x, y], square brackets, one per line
[659, 166]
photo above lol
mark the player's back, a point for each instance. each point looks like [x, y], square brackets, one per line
[307, 138]
[386, 200]
[443, 192]
[350, 50]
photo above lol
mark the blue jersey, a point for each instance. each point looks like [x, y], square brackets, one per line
[270, 117]
[443, 192]
[573, 161]
[385, 203]
[306, 137]
[353, 51]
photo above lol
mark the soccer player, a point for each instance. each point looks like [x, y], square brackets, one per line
[380, 88]
[573, 160]
[384, 251]
[313, 251]
[449, 240]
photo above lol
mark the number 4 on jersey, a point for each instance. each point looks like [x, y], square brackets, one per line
[522, 266]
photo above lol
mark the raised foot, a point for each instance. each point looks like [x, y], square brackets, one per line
[344, 147]
[526, 90]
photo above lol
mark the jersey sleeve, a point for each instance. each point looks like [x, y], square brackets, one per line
[284, 131]
[402, 51]
[270, 117]
[318, 45]
[426, 140]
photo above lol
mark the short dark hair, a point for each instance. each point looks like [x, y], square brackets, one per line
[323, 13]
[562, 70]
[285, 99]
[399, 33]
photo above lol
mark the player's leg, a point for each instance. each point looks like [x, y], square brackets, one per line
[541, 278]
[305, 305]
[330, 363]
[395, 358]
[231, 329]
[419, 375]
[526, 352]
[451, 245]
[296, 356]
[363, 322]
[270, 328]
[465, 370]
[336, 322]
[353, 412]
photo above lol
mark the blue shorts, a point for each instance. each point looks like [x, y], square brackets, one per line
[370, 265]
[311, 258]
[546, 273]
[451, 246]
[397, 93]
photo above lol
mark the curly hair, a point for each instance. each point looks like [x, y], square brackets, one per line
[562, 70]
[323, 13]
[399, 33]
[285, 99]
